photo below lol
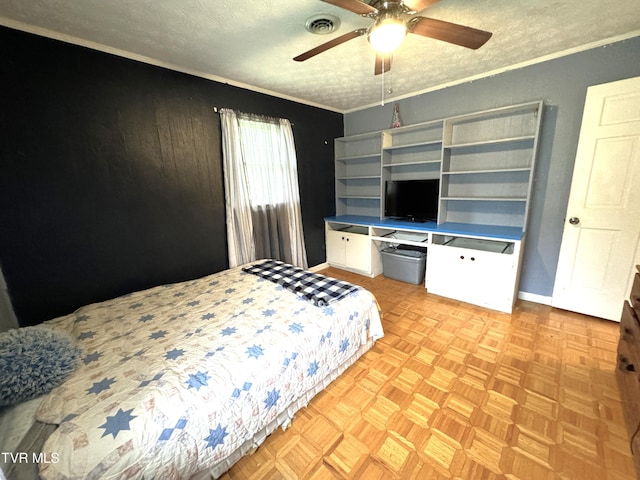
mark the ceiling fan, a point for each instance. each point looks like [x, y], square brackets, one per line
[393, 20]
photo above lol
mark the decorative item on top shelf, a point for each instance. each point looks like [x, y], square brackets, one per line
[395, 120]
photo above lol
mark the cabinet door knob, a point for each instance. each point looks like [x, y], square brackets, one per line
[574, 220]
[461, 257]
[473, 259]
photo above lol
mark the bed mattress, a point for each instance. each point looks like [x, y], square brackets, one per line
[181, 380]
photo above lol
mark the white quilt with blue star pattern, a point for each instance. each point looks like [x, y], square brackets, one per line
[175, 378]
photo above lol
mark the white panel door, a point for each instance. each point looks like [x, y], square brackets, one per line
[600, 242]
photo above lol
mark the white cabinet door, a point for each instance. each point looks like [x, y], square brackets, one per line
[473, 276]
[358, 252]
[349, 250]
[446, 273]
[494, 280]
[336, 251]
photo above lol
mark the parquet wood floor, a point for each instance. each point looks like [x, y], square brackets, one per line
[455, 391]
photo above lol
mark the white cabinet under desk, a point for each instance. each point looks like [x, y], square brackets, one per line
[474, 270]
[349, 247]
[477, 264]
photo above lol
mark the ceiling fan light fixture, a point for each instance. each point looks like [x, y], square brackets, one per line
[387, 34]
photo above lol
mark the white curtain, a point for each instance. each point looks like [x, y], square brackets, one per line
[261, 189]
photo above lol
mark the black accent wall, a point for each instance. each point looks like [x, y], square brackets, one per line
[111, 174]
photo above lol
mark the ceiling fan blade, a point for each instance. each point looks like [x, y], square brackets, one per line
[330, 44]
[355, 6]
[383, 61]
[418, 5]
[449, 32]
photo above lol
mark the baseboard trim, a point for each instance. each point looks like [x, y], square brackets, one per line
[534, 297]
[319, 267]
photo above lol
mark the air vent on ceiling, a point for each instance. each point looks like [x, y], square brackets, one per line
[322, 24]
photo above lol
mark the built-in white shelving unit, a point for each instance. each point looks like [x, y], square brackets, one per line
[485, 162]
[488, 163]
[358, 178]
[411, 152]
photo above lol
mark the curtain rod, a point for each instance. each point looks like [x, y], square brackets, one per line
[217, 110]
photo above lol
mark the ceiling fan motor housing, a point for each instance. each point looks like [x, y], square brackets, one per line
[395, 9]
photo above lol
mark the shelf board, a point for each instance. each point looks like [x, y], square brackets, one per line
[359, 157]
[432, 124]
[359, 136]
[495, 141]
[361, 197]
[486, 199]
[532, 107]
[416, 162]
[412, 145]
[399, 236]
[357, 229]
[359, 177]
[494, 246]
[493, 170]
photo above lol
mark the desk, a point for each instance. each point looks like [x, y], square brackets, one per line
[477, 264]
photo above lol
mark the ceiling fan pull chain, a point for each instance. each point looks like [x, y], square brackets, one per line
[382, 82]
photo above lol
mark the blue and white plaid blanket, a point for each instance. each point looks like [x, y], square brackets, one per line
[314, 287]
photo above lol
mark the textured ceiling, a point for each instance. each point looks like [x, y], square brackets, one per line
[252, 43]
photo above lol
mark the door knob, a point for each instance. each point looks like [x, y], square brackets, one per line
[574, 220]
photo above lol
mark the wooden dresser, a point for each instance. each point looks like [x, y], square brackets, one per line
[628, 371]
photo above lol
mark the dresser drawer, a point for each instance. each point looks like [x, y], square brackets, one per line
[630, 325]
[628, 371]
[629, 346]
[635, 292]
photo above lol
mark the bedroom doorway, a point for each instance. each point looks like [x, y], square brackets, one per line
[601, 237]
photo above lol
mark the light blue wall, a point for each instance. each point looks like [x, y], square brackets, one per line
[562, 84]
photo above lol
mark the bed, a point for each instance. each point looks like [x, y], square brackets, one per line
[182, 380]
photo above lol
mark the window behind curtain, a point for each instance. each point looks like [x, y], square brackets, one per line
[265, 162]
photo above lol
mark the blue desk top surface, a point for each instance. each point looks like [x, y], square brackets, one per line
[449, 228]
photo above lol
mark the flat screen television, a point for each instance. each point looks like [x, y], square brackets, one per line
[414, 200]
